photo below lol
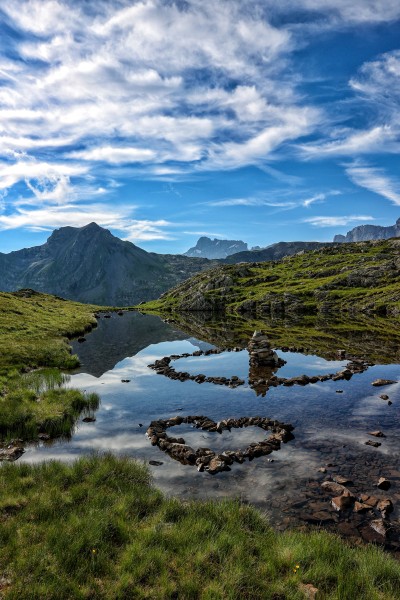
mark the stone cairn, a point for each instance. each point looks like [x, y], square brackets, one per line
[261, 353]
[206, 459]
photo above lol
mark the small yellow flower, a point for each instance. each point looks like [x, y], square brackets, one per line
[297, 566]
[94, 551]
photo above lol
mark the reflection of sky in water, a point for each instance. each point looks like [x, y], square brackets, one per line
[322, 418]
[227, 364]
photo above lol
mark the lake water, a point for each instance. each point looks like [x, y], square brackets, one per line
[331, 420]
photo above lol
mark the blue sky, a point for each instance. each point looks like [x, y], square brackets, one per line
[165, 120]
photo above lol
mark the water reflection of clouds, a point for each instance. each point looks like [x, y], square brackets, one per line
[325, 422]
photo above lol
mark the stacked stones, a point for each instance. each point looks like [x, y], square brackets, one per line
[261, 354]
[206, 459]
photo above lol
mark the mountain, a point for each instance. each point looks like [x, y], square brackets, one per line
[363, 233]
[207, 248]
[89, 264]
[275, 251]
[361, 277]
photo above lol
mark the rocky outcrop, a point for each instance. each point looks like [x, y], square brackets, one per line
[346, 278]
[363, 233]
[207, 248]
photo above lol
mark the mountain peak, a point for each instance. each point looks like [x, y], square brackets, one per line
[363, 233]
[208, 248]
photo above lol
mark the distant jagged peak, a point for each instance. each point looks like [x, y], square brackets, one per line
[216, 248]
[364, 233]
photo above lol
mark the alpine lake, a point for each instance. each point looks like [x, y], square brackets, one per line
[199, 368]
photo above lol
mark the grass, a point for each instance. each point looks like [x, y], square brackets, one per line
[99, 529]
[37, 402]
[35, 330]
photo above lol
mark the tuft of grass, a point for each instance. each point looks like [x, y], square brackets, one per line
[97, 528]
[37, 402]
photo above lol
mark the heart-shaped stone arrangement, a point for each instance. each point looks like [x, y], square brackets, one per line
[206, 459]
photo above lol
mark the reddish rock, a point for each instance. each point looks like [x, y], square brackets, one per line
[334, 488]
[361, 507]
[385, 506]
[344, 502]
[383, 483]
[342, 480]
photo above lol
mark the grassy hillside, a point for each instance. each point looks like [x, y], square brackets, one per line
[352, 278]
[34, 330]
[99, 529]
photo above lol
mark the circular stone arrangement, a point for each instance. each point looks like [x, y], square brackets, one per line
[163, 366]
[206, 459]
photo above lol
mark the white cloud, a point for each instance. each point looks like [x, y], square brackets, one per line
[380, 79]
[321, 197]
[114, 155]
[120, 218]
[205, 233]
[25, 169]
[150, 82]
[331, 221]
[381, 138]
[375, 180]
[354, 11]
[251, 202]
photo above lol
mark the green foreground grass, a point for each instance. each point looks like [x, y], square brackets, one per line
[99, 529]
[34, 332]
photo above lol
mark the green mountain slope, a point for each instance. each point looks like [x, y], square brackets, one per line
[360, 277]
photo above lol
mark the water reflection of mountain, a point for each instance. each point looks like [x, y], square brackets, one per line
[377, 340]
[116, 338]
[120, 336]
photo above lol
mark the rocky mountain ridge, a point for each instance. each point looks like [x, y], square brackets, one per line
[275, 251]
[362, 277]
[208, 248]
[89, 264]
[363, 233]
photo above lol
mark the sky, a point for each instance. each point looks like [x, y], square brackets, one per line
[167, 120]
